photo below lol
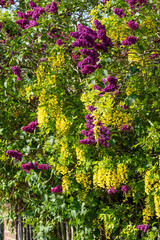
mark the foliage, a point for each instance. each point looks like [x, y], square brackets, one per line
[54, 90]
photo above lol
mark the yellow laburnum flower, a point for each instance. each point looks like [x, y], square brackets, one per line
[157, 205]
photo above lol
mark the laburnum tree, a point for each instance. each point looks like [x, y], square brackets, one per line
[79, 126]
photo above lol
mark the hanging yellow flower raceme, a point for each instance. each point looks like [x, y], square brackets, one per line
[83, 179]
[80, 155]
[147, 213]
[106, 178]
[66, 184]
[49, 107]
[157, 205]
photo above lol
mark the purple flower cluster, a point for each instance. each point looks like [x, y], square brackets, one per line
[57, 189]
[3, 2]
[17, 155]
[44, 167]
[143, 227]
[125, 188]
[54, 7]
[28, 166]
[139, 3]
[101, 33]
[86, 38]
[126, 127]
[17, 72]
[1, 25]
[31, 126]
[104, 134]
[59, 42]
[133, 25]
[119, 12]
[111, 87]
[25, 23]
[104, 2]
[112, 190]
[153, 56]
[130, 40]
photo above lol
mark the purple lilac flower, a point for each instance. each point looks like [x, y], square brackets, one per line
[32, 23]
[89, 38]
[21, 14]
[130, 40]
[28, 129]
[2, 3]
[103, 131]
[96, 87]
[17, 72]
[17, 155]
[75, 34]
[82, 43]
[143, 227]
[83, 29]
[35, 164]
[131, 3]
[22, 22]
[142, 2]
[98, 25]
[104, 2]
[119, 12]
[100, 46]
[32, 4]
[112, 190]
[153, 56]
[126, 127]
[28, 166]
[125, 188]
[1, 25]
[89, 52]
[104, 135]
[133, 25]
[47, 7]
[87, 60]
[54, 7]
[59, 42]
[88, 69]
[91, 108]
[112, 80]
[111, 87]
[44, 167]
[57, 189]
[31, 126]
[29, 13]
[106, 41]
[37, 12]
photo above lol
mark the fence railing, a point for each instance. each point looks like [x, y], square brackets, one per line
[63, 231]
